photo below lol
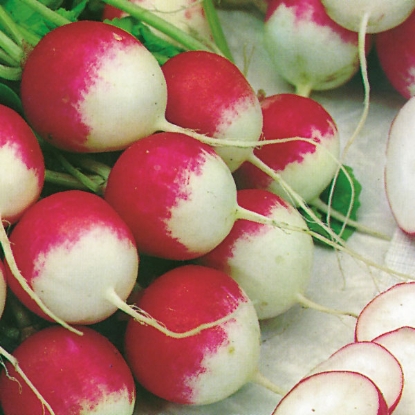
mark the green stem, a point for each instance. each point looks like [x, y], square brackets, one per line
[146, 16]
[11, 27]
[81, 177]
[46, 12]
[95, 166]
[67, 180]
[11, 48]
[12, 74]
[216, 29]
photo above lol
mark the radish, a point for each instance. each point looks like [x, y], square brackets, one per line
[396, 56]
[177, 196]
[381, 15]
[188, 15]
[273, 266]
[84, 262]
[372, 360]
[208, 93]
[80, 109]
[201, 369]
[308, 49]
[307, 165]
[335, 392]
[399, 173]
[400, 343]
[389, 310]
[76, 375]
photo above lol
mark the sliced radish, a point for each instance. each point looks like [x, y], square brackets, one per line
[333, 393]
[372, 360]
[388, 311]
[399, 170]
[400, 343]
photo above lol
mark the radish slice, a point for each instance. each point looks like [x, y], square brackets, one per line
[329, 393]
[386, 312]
[400, 343]
[399, 171]
[372, 360]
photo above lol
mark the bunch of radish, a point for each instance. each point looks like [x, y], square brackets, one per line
[207, 173]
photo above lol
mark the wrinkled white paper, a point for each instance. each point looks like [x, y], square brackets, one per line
[295, 342]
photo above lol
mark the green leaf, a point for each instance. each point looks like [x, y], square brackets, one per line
[10, 98]
[340, 202]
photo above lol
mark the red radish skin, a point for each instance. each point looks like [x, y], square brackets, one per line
[21, 165]
[74, 251]
[89, 86]
[209, 94]
[201, 369]
[175, 193]
[187, 15]
[306, 167]
[389, 310]
[75, 374]
[372, 360]
[273, 266]
[400, 343]
[307, 47]
[396, 53]
[336, 392]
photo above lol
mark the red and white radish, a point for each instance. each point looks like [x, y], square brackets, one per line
[273, 266]
[187, 15]
[76, 375]
[372, 360]
[21, 165]
[76, 253]
[201, 369]
[396, 53]
[399, 173]
[308, 49]
[400, 343]
[208, 93]
[336, 392]
[382, 15]
[306, 164]
[389, 310]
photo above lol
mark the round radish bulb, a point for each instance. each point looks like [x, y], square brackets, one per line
[187, 15]
[308, 49]
[372, 360]
[389, 310]
[383, 14]
[400, 343]
[336, 392]
[76, 254]
[3, 289]
[91, 87]
[175, 193]
[201, 369]
[209, 94]
[22, 168]
[76, 375]
[396, 53]
[307, 167]
[399, 172]
[273, 266]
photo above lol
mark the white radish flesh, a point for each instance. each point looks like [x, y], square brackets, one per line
[389, 310]
[399, 171]
[400, 343]
[372, 360]
[337, 392]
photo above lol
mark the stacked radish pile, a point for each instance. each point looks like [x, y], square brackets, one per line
[206, 175]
